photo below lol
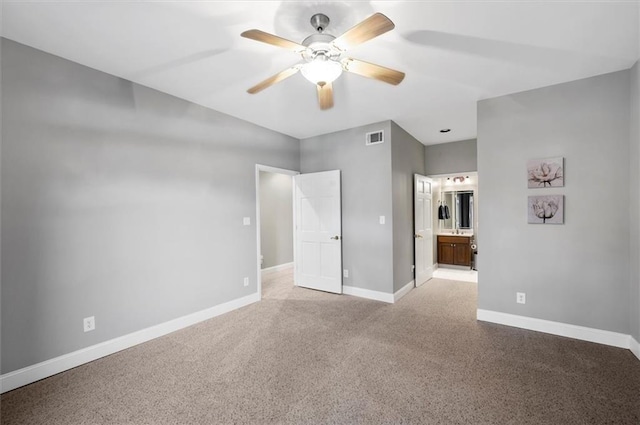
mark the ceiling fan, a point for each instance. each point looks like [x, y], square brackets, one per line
[323, 55]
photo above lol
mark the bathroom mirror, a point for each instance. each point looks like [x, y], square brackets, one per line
[460, 206]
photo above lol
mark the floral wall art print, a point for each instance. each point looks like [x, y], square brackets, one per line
[547, 209]
[548, 172]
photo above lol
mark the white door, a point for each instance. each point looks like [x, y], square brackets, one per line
[318, 225]
[423, 223]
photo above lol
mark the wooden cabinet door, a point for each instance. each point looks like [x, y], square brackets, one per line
[445, 253]
[462, 254]
[454, 250]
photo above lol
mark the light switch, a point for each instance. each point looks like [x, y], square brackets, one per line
[246, 221]
[382, 219]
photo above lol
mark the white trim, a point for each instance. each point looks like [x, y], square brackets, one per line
[268, 169]
[600, 336]
[403, 291]
[368, 293]
[278, 267]
[634, 346]
[377, 295]
[276, 170]
[29, 374]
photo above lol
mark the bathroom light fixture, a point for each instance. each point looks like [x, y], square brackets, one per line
[459, 179]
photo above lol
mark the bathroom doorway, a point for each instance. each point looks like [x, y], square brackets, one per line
[274, 223]
[456, 226]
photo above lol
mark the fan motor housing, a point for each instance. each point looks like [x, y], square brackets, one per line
[318, 39]
[320, 44]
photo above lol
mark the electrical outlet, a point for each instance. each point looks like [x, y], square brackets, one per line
[246, 281]
[521, 298]
[345, 273]
[246, 221]
[89, 323]
[382, 219]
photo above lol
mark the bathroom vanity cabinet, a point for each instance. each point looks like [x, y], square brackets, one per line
[454, 250]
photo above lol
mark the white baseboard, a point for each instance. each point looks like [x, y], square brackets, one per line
[33, 373]
[367, 293]
[403, 291]
[278, 267]
[634, 346]
[377, 295]
[600, 336]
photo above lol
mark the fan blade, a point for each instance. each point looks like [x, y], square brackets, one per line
[371, 70]
[325, 95]
[273, 80]
[371, 27]
[265, 37]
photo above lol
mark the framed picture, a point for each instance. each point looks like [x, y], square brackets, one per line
[548, 172]
[548, 209]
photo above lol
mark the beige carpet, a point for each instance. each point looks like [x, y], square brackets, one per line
[307, 357]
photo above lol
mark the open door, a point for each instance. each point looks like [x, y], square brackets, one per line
[318, 225]
[423, 232]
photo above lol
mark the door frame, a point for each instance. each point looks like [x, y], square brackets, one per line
[269, 169]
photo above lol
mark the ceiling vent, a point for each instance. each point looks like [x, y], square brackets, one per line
[375, 137]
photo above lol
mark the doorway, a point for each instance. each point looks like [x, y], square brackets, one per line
[457, 195]
[274, 220]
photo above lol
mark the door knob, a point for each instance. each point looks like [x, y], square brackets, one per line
[337, 238]
[417, 236]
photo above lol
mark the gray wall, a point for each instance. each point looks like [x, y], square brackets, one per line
[634, 198]
[276, 219]
[406, 159]
[367, 246]
[575, 273]
[117, 201]
[1, 134]
[453, 157]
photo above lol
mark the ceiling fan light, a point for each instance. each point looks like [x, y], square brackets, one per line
[321, 71]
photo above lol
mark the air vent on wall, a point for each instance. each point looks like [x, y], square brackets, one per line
[375, 137]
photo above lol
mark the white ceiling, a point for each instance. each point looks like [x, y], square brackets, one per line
[453, 54]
